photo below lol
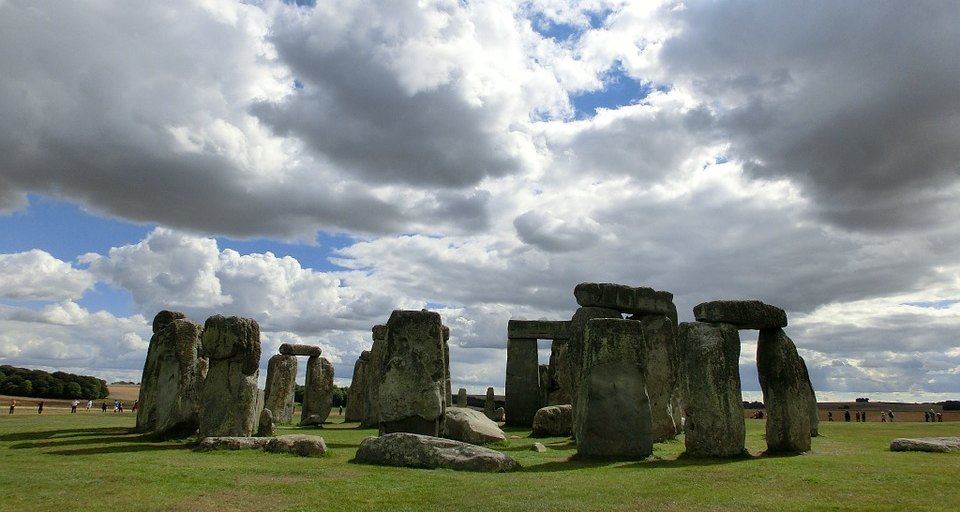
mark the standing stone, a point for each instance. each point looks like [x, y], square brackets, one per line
[714, 404]
[546, 383]
[786, 392]
[265, 428]
[371, 400]
[230, 394]
[574, 355]
[522, 386]
[413, 384]
[447, 390]
[558, 390]
[490, 404]
[814, 410]
[180, 379]
[662, 370]
[355, 396]
[146, 413]
[613, 411]
[317, 392]
[462, 397]
[278, 396]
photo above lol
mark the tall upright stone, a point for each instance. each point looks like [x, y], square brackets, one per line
[180, 379]
[462, 397]
[714, 404]
[574, 354]
[146, 413]
[413, 383]
[356, 403]
[613, 411]
[662, 365]
[447, 395]
[814, 410]
[317, 392]
[522, 386]
[281, 384]
[490, 404]
[230, 394]
[786, 392]
[375, 369]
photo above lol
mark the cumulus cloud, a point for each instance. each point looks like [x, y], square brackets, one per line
[36, 275]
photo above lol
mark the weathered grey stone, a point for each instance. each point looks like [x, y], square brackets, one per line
[317, 392]
[374, 371]
[613, 410]
[447, 383]
[355, 396]
[412, 385]
[714, 405]
[470, 426]
[500, 414]
[522, 385]
[179, 380]
[230, 394]
[538, 447]
[462, 397]
[553, 420]
[539, 329]
[662, 367]
[813, 410]
[297, 444]
[573, 362]
[490, 404]
[745, 314]
[265, 427]
[546, 382]
[208, 444]
[558, 387]
[421, 451]
[278, 395]
[786, 392]
[295, 349]
[925, 444]
[146, 413]
[625, 299]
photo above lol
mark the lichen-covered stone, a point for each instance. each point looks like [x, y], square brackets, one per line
[522, 384]
[355, 396]
[215, 443]
[925, 444]
[421, 451]
[146, 413]
[538, 329]
[371, 397]
[558, 387]
[662, 367]
[553, 420]
[623, 298]
[573, 361]
[413, 381]
[745, 314]
[317, 392]
[179, 380]
[786, 392]
[292, 349]
[613, 411]
[714, 424]
[278, 395]
[490, 404]
[265, 427]
[230, 395]
[462, 397]
[297, 444]
[470, 426]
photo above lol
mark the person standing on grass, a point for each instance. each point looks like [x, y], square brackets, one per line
[103, 408]
[89, 404]
[73, 406]
[40, 407]
[13, 405]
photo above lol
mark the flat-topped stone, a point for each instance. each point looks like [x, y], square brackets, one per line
[290, 349]
[420, 451]
[623, 298]
[745, 314]
[539, 329]
[925, 444]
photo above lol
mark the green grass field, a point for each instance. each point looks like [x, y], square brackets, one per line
[91, 461]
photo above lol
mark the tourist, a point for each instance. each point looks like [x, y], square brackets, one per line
[119, 405]
[103, 408]
[40, 407]
[939, 417]
[136, 405]
[829, 415]
[864, 416]
[857, 416]
[116, 405]
[890, 413]
[846, 416]
[89, 404]
[13, 405]
[73, 406]
[883, 416]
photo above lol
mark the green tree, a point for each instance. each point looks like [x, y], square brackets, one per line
[73, 390]
[26, 388]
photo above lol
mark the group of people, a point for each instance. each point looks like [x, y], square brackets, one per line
[117, 406]
[932, 416]
[861, 417]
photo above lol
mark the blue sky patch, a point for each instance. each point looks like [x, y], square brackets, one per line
[619, 90]
[933, 304]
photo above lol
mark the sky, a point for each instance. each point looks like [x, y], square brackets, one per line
[316, 165]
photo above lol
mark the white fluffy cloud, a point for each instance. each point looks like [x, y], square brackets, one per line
[36, 275]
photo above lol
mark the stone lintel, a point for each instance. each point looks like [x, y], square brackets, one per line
[290, 349]
[745, 314]
[539, 329]
[623, 298]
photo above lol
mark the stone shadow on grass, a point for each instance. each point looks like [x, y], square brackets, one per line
[73, 432]
[130, 448]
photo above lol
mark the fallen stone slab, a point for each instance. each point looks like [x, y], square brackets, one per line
[420, 451]
[925, 444]
[553, 420]
[625, 299]
[291, 349]
[470, 426]
[209, 444]
[297, 444]
[745, 314]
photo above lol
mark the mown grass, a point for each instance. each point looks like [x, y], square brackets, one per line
[91, 461]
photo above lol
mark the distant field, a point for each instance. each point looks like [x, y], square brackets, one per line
[64, 462]
[127, 393]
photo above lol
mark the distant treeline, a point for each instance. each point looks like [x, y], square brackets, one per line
[339, 395]
[40, 384]
[951, 405]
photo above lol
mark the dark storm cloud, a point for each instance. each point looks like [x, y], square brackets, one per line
[855, 101]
